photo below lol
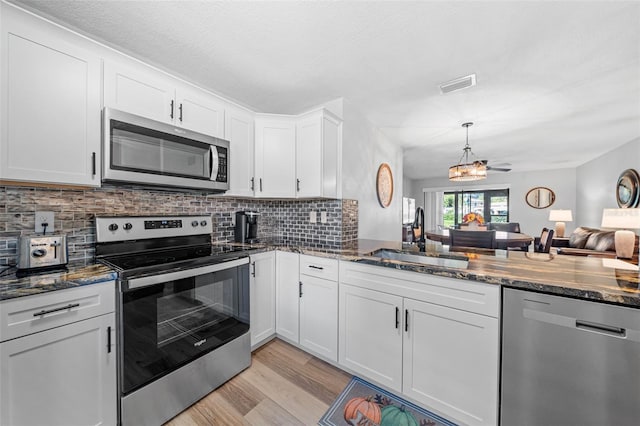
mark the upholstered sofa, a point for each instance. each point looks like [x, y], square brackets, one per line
[590, 242]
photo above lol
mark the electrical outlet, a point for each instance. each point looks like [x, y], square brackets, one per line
[312, 217]
[44, 217]
[323, 217]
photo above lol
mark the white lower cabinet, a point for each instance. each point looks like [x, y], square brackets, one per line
[307, 302]
[287, 295]
[434, 339]
[370, 334]
[450, 361]
[65, 375]
[319, 316]
[262, 285]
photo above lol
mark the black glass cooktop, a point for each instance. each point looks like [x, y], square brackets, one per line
[158, 261]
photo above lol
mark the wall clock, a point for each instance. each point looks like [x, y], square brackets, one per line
[384, 185]
[628, 189]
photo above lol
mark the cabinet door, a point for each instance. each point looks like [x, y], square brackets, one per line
[287, 295]
[451, 361]
[309, 156]
[50, 110]
[238, 129]
[319, 316]
[370, 337]
[139, 90]
[199, 111]
[63, 376]
[263, 297]
[275, 158]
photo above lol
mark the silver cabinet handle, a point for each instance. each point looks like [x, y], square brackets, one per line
[260, 184]
[601, 328]
[316, 267]
[298, 185]
[253, 272]
[253, 183]
[64, 308]
[300, 289]
[180, 109]
[171, 112]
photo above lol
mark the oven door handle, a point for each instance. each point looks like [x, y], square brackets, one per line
[185, 273]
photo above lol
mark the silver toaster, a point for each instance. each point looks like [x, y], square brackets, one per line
[42, 251]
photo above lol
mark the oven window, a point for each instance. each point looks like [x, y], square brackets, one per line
[167, 325]
[183, 313]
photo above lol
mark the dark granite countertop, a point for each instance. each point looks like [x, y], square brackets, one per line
[604, 280]
[597, 279]
[76, 275]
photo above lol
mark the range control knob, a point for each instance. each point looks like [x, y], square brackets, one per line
[113, 227]
[127, 226]
[194, 223]
[203, 223]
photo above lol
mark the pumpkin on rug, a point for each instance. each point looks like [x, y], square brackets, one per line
[364, 404]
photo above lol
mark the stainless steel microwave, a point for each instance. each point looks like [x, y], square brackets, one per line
[140, 151]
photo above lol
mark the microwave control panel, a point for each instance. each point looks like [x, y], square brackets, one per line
[222, 164]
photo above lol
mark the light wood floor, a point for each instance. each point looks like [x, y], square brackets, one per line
[283, 386]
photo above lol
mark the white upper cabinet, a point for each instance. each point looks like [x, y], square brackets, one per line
[239, 131]
[143, 91]
[139, 90]
[199, 111]
[50, 108]
[298, 156]
[318, 147]
[275, 156]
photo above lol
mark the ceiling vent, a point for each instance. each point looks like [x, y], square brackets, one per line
[458, 84]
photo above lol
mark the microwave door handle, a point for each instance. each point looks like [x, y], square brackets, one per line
[213, 162]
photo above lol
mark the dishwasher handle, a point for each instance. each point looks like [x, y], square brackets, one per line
[601, 328]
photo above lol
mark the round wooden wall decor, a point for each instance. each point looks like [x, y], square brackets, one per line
[628, 189]
[384, 185]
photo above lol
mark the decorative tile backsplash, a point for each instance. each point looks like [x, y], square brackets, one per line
[285, 221]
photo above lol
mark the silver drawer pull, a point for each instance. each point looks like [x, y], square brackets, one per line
[64, 308]
[316, 267]
[601, 328]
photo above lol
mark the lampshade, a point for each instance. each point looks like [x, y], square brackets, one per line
[560, 215]
[621, 218]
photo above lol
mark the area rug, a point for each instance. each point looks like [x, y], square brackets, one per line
[364, 404]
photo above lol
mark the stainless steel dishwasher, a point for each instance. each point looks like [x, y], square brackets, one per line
[568, 362]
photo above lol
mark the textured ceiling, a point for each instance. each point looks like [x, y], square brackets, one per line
[558, 82]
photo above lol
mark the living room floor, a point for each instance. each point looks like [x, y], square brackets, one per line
[284, 385]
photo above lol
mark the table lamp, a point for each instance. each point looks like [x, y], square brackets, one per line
[560, 217]
[623, 220]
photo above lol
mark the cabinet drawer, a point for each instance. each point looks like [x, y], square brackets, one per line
[320, 267]
[466, 295]
[31, 314]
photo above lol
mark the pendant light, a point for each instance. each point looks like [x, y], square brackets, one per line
[467, 171]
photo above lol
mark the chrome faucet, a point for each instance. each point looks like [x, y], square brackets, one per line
[418, 222]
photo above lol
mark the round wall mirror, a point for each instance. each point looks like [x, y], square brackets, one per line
[540, 197]
[628, 189]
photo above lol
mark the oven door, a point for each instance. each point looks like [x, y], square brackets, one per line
[168, 320]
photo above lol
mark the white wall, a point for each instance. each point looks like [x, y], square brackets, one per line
[364, 148]
[597, 179]
[561, 181]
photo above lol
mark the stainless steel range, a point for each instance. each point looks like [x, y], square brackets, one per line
[183, 312]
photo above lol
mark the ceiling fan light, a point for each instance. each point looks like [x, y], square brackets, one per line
[467, 172]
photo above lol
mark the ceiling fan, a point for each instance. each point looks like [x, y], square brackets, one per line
[501, 167]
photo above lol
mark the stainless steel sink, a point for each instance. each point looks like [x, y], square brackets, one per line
[447, 261]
